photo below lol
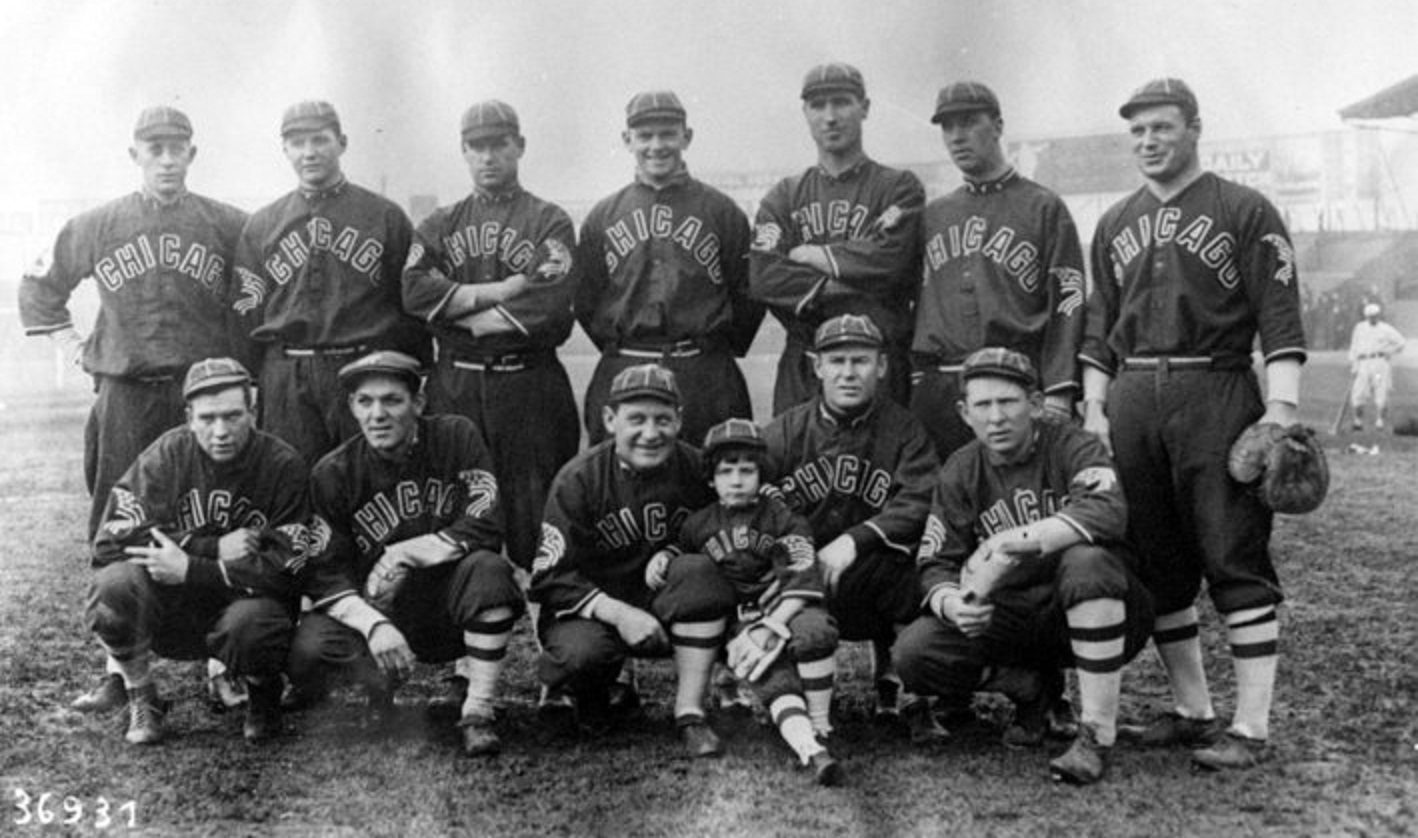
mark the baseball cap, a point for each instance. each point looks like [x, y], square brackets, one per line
[211, 374]
[998, 362]
[310, 115]
[644, 381]
[162, 121]
[489, 119]
[847, 330]
[653, 105]
[963, 97]
[1165, 91]
[736, 433]
[833, 77]
[1372, 310]
[384, 362]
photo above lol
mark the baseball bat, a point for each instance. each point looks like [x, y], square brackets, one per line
[1343, 406]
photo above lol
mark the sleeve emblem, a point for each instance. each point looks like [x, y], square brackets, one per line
[766, 237]
[551, 547]
[1071, 290]
[482, 491]
[1284, 255]
[1097, 479]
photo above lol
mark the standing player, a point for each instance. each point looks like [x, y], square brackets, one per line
[1001, 266]
[1370, 347]
[162, 258]
[201, 544]
[858, 466]
[610, 510]
[1045, 494]
[1188, 270]
[319, 272]
[663, 275]
[490, 275]
[408, 533]
[838, 238]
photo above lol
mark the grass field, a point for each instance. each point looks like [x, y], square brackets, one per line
[1345, 728]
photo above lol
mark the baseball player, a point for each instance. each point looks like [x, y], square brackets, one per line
[610, 510]
[405, 545]
[162, 260]
[199, 552]
[838, 238]
[1039, 500]
[491, 276]
[1001, 266]
[784, 641]
[663, 276]
[319, 271]
[1370, 347]
[858, 466]
[1188, 270]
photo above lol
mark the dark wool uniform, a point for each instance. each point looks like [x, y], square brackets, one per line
[511, 384]
[663, 278]
[1001, 266]
[766, 553]
[240, 612]
[164, 275]
[1181, 290]
[604, 520]
[867, 219]
[364, 502]
[868, 477]
[319, 274]
[1064, 473]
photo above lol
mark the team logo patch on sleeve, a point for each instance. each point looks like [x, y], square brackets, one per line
[482, 491]
[889, 218]
[558, 261]
[300, 546]
[253, 291]
[42, 264]
[317, 536]
[1071, 289]
[415, 254]
[1284, 255]
[127, 513]
[800, 552]
[550, 549]
[766, 237]
[932, 539]
[1096, 479]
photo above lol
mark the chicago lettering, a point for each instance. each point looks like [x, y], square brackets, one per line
[622, 527]
[218, 508]
[839, 219]
[1164, 227]
[1018, 259]
[844, 475]
[741, 537]
[660, 222]
[362, 253]
[1025, 507]
[380, 516]
[489, 239]
[166, 252]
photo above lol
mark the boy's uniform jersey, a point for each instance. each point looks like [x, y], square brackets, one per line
[763, 549]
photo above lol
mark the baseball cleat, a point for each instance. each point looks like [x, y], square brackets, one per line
[556, 713]
[1231, 751]
[107, 696]
[263, 710]
[699, 739]
[887, 709]
[921, 724]
[1173, 729]
[1084, 763]
[826, 771]
[145, 716]
[1030, 725]
[479, 739]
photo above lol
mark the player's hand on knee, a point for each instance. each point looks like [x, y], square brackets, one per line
[657, 571]
[166, 562]
[641, 631]
[238, 544]
[972, 618]
[835, 558]
[391, 651]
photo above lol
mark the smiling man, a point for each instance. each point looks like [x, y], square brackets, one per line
[1042, 496]
[319, 272]
[1001, 266]
[611, 509]
[838, 238]
[491, 276]
[405, 562]
[663, 276]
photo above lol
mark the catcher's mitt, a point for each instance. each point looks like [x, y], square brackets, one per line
[985, 569]
[1296, 473]
[749, 660]
[1250, 450]
[385, 581]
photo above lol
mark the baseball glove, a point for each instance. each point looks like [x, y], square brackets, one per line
[1250, 450]
[1296, 473]
[749, 660]
[385, 580]
[986, 567]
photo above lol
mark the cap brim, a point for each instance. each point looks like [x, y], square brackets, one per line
[950, 110]
[1135, 105]
[222, 382]
[475, 134]
[655, 116]
[643, 393]
[306, 125]
[818, 90]
[852, 341]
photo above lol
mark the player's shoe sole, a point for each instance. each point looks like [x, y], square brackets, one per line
[1231, 752]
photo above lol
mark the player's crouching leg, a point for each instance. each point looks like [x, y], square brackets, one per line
[123, 612]
[695, 604]
[253, 638]
[485, 602]
[934, 658]
[798, 695]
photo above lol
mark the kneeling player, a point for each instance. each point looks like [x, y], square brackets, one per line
[408, 532]
[1021, 562]
[785, 640]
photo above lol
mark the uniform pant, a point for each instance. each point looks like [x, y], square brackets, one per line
[528, 421]
[935, 397]
[1188, 519]
[814, 637]
[127, 416]
[584, 655]
[1029, 627]
[301, 401]
[432, 610]
[711, 389]
[879, 591]
[132, 615]
[797, 382]
[1372, 380]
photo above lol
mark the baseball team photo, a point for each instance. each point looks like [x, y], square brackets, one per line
[694, 419]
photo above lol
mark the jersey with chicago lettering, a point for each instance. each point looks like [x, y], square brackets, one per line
[603, 522]
[363, 501]
[1065, 473]
[174, 487]
[764, 550]
[487, 237]
[1200, 274]
[868, 476]
[1001, 266]
[164, 276]
[664, 265]
[867, 220]
[323, 269]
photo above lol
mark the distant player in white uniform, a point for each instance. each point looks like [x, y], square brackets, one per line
[1370, 348]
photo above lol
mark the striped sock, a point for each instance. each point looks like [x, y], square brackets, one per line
[790, 716]
[136, 669]
[1097, 635]
[817, 678]
[1178, 642]
[1254, 635]
[486, 640]
[696, 646]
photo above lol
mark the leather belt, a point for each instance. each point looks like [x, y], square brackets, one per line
[1372, 355]
[1164, 363]
[316, 351]
[677, 349]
